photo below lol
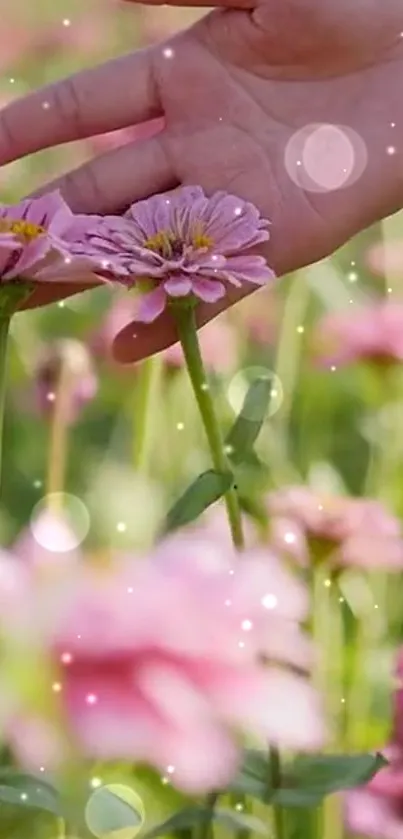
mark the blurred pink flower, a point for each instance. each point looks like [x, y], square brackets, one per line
[70, 360]
[386, 258]
[349, 531]
[373, 332]
[35, 246]
[161, 661]
[182, 244]
[376, 810]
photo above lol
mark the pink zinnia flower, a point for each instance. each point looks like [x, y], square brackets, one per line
[35, 247]
[160, 661]
[182, 244]
[386, 258]
[374, 333]
[376, 810]
[349, 531]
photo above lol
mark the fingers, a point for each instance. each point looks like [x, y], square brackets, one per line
[115, 95]
[229, 4]
[113, 181]
[45, 293]
[140, 340]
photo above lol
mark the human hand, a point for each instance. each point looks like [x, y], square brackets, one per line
[233, 90]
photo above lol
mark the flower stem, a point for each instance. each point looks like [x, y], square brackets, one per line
[205, 829]
[145, 398]
[59, 434]
[275, 783]
[4, 330]
[186, 325]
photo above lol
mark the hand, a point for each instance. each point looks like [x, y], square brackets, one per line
[233, 89]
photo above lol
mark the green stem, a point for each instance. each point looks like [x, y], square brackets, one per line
[145, 397]
[275, 783]
[186, 325]
[205, 829]
[4, 330]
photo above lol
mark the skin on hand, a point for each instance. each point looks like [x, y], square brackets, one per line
[233, 89]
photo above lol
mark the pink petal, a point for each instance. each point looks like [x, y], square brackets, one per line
[178, 286]
[208, 290]
[152, 305]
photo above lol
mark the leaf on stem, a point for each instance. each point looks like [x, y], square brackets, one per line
[245, 431]
[206, 489]
[191, 816]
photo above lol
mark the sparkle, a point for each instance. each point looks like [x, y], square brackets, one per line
[56, 687]
[67, 260]
[164, 780]
[23, 796]
[45, 106]
[37, 484]
[341, 599]
[353, 276]
[130, 590]
[333, 368]
[239, 807]
[168, 52]
[376, 606]
[246, 625]
[51, 396]
[391, 150]
[180, 426]
[393, 125]
[231, 572]
[41, 768]
[66, 658]
[61, 304]
[228, 602]
[11, 81]
[241, 644]
[229, 449]
[91, 699]
[95, 783]
[238, 211]
[269, 601]
[300, 329]
[343, 700]
[389, 291]
[299, 163]
[66, 22]
[352, 262]
[289, 538]
[105, 264]
[121, 527]
[274, 392]
[170, 769]
[327, 583]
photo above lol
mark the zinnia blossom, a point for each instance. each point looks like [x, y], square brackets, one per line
[161, 661]
[181, 244]
[35, 247]
[373, 333]
[347, 531]
[376, 810]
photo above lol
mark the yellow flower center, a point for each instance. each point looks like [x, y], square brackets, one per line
[24, 229]
[169, 244]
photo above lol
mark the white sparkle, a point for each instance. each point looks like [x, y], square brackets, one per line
[67, 260]
[343, 700]
[105, 263]
[121, 527]
[229, 449]
[45, 106]
[23, 796]
[352, 262]
[241, 644]
[37, 484]
[66, 658]
[167, 200]
[231, 572]
[393, 125]
[204, 386]
[300, 329]
[56, 687]
[246, 625]
[389, 291]
[130, 590]
[168, 52]
[299, 163]
[351, 301]
[341, 599]
[170, 769]
[289, 538]
[66, 22]
[238, 211]
[61, 304]
[239, 807]
[51, 396]
[11, 81]
[269, 601]
[353, 276]
[228, 602]
[180, 426]
[376, 606]
[333, 368]
[41, 768]
[91, 699]
[391, 150]
[320, 507]
[164, 780]
[327, 583]
[95, 783]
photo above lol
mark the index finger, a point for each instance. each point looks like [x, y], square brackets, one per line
[117, 94]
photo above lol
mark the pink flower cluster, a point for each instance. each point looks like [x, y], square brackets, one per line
[349, 531]
[163, 661]
[373, 333]
[179, 244]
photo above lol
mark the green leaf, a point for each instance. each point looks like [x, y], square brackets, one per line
[107, 811]
[246, 428]
[29, 792]
[206, 489]
[190, 816]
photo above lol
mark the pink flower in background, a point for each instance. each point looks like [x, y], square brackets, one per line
[70, 361]
[182, 244]
[376, 810]
[386, 258]
[374, 333]
[351, 531]
[161, 661]
[35, 246]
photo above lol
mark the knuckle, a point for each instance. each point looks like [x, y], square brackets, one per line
[83, 190]
[69, 104]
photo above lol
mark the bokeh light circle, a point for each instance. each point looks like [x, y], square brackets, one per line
[323, 157]
[60, 522]
[242, 381]
[115, 811]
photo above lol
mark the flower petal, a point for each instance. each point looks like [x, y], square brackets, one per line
[152, 305]
[178, 286]
[208, 290]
